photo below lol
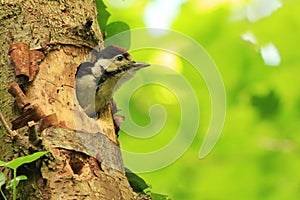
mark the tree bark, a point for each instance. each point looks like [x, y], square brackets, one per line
[84, 160]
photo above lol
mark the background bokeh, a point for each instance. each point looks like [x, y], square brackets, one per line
[254, 45]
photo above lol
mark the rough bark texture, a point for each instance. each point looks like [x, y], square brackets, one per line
[84, 160]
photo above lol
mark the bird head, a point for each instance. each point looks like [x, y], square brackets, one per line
[116, 62]
[96, 81]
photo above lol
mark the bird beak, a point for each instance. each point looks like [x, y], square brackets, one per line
[139, 65]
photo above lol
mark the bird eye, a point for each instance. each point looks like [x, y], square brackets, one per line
[120, 58]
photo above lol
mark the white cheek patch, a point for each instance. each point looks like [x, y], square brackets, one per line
[105, 63]
[97, 70]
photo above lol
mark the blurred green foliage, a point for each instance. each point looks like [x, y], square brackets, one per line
[257, 155]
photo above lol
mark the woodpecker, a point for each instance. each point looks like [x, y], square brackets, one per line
[96, 81]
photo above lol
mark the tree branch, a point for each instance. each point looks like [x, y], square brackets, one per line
[6, 126]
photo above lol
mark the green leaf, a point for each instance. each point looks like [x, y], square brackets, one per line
[156, 196]
[2, 164]
[21, 178]
[15, 163]
[9, 184]
[12, 184]
[2, 179]
[15, 182]
[103, 14]
[118, 33]
[137, 183]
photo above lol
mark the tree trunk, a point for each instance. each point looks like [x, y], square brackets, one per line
[47, 40]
